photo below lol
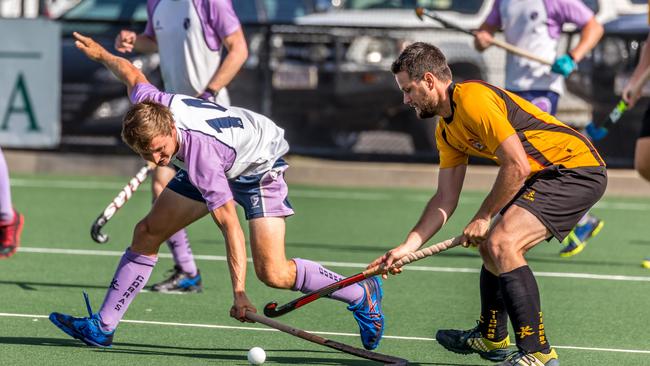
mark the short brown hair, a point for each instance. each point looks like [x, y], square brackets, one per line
[420, 58]
[143, 122]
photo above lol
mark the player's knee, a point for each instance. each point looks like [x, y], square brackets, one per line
[273, 277]
[146, 235]
[498, 249]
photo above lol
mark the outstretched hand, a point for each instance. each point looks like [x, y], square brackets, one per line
[387, 260]
[89, 47]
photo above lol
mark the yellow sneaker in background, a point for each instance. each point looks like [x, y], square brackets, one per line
[646, 263]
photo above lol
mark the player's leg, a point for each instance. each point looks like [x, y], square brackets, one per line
[590, 225]
[185, 276]
[11, 222]
[170, 212]
[489, 339]
[642, 159]
[510, 239]
[264, 199]
[550, 204]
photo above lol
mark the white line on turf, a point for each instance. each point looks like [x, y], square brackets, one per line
[304, 193]
[216, 326]
[586, 276]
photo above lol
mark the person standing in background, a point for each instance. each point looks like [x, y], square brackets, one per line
[631, 94]
[536, 26]
[189, 35]
[11, 222]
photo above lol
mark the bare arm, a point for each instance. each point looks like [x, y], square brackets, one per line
[450, 184]
[512, 174]
[483, 36]
[438, 210]
[237, 48]
[589, 37]
[119, 66]
[226, 219]
[632, 91]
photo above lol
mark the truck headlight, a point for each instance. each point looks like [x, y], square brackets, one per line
[371, 50]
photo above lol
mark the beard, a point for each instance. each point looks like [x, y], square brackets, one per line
[427, 110]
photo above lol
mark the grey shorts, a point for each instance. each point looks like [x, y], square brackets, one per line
[260, 195]
[560, 197]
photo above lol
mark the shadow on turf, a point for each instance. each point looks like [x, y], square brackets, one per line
[210, 353]
[30, 285]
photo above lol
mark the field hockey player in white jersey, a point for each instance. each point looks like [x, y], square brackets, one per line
[227, 155]
[189, 36]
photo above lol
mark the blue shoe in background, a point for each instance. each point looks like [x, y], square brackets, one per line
[87, 330]
[577, 239]
[368, 313]
[179, 281]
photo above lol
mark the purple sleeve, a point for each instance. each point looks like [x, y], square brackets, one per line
[494, 18]
[206, 160]
[569, 11]
[146, 91]
[148, 30]
[219, 20]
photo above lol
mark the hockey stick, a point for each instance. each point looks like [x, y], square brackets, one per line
[387, 360]
[598, 132]
[421, 12]
[117, 203]
[272, 309]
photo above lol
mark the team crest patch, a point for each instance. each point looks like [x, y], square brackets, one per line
[530, 195]
[477, 145]
[255, 201]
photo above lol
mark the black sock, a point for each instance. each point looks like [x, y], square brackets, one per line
[494, 318]
[521, 296]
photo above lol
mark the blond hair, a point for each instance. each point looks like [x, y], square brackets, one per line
[143, 122]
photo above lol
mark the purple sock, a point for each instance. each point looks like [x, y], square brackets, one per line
[182, 253]
[6, 208]
[130, 277]
[312, 276]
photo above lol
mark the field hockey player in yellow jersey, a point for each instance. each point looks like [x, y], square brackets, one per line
[549, 177]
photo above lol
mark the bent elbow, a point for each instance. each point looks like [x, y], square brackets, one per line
[524, 171]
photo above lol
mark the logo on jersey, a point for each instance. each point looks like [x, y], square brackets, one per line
[157, 26]
[255, 201]
[477, 145]
[186, 23]
[530, 195]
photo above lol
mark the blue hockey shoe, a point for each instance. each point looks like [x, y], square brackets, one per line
[368, 313]
[87, 330]
[179, 281]
[577, 239]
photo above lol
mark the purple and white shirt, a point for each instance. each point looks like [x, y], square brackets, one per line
[536, 26]
[190, 34]
[217, 143]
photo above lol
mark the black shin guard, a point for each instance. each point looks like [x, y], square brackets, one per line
[494, 318]
[521, 297]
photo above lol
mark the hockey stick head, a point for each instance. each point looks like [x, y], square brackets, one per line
[596, 133]
[270, 309]
[96, 231]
